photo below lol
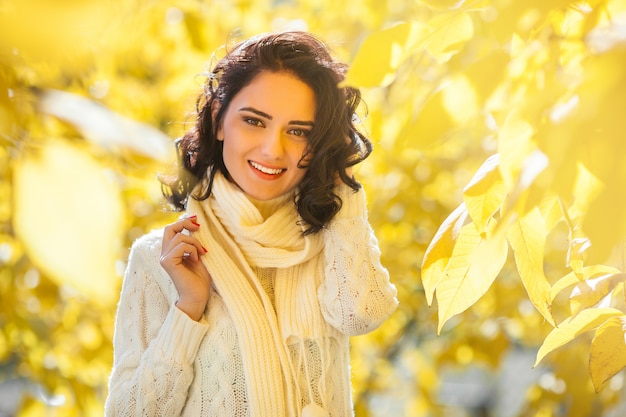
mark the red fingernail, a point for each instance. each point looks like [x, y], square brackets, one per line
[204, 249]
[197, 224]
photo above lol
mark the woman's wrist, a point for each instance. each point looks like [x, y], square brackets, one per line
[194, 310]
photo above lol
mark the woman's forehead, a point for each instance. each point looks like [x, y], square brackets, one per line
[280, 92]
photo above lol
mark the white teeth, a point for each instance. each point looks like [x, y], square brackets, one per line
[265, 170]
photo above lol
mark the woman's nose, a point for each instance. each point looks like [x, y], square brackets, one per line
[273, 146]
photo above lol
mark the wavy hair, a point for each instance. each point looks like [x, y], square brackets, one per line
[334, 144]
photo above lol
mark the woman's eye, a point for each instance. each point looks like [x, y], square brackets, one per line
[253, 121]
[300, 132]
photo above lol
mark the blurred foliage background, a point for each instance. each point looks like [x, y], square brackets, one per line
[92, 94]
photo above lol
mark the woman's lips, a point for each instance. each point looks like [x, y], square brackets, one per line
[266, 170]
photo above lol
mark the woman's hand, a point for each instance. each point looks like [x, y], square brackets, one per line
[180, 257]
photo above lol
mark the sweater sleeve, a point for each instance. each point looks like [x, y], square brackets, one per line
[356, 295]
[154, 342]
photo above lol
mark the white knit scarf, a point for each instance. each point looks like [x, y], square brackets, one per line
[238, 238]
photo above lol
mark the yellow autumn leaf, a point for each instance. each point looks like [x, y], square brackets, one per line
[34, 407]
[528, 192]
[527, 237]
[59, 31]
[590, 292]
[440, 249]
[605, 221]
[485, 192]
[447, 35]
[607, 355]
[455, 273]
[69, 216]
[379, 56]
[576, 251]
[588, 319]
[105, 127]
[586, 188]
[429, 126]
[600, 121]
[550, 209]
[382, 52]
[460, 99]
[443, 4]
[571, 279]
[514, 145]
[473, 266]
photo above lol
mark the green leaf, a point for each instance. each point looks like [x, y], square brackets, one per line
[574, 326]
[440, 250]
[484, 193]
[608, 351]
[474, 265]
[527, 237]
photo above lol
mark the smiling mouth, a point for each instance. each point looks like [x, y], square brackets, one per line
[266, 170]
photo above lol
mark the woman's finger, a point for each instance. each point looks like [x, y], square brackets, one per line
[185, 223]
[183, 241]
[174, 234]
[180, 253]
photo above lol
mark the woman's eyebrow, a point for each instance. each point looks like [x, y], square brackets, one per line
[257, 112]
[301, 123]
[267, 116]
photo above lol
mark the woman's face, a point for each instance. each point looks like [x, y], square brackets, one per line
[265, 130]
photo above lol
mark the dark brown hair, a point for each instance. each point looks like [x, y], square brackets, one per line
[334, 143]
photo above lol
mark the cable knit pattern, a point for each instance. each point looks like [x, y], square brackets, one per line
[168, 365]
[355, 291]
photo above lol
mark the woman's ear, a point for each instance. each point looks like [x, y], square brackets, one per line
[215, 108]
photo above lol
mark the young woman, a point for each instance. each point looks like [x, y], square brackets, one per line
[245, 305]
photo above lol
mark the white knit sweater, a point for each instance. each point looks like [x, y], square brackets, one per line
[166, 364]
